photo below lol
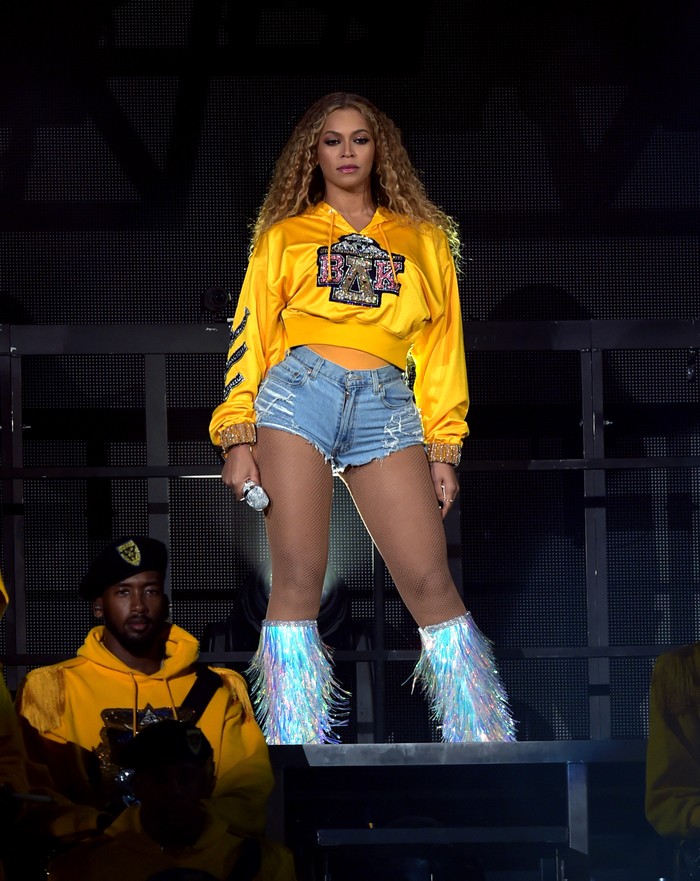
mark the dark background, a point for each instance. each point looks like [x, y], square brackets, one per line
[136, 140]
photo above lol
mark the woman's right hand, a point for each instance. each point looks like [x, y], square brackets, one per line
[239, 467]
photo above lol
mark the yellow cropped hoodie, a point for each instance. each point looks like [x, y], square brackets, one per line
[390, 290]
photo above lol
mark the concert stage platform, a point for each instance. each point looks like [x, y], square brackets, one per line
[548, 810]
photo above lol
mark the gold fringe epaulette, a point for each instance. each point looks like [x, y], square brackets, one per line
[41, 698]
[238, 688]
[677, 680]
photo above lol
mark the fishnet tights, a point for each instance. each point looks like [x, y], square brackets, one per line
[396, 500]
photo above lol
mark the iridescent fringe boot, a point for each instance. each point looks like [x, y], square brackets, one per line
[296, 695]
[457, 672]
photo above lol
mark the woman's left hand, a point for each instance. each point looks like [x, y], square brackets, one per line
[446, 485]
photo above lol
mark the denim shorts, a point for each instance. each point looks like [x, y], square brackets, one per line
[350, 416]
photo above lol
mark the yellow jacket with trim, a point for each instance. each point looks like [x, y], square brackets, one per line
[13, 768]
[390, 290]
[65, 707]
[672, 800]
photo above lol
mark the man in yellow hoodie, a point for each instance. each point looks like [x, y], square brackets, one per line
[134, 669]
[673, 756]
[13, 769]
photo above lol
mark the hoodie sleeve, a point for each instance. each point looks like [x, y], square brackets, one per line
[673, 748]
[257, 341]
[13, 768]
[440, 385]
[54, 765]
[244, 778]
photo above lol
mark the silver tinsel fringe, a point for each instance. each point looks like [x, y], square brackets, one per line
[457, 672]
[295, 693]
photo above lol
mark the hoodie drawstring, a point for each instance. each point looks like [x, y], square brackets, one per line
[172, 701]
[135, 708]
[331, 230]
[387, 248]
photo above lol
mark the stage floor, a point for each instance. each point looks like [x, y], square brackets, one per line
[530, 810]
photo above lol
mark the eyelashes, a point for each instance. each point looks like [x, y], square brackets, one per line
[332, 142]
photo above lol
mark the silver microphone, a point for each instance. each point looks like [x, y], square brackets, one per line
[255, 496]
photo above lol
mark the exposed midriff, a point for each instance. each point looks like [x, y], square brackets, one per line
[352, 359]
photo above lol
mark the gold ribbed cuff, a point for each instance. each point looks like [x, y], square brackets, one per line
[232, 435]
[449, 453]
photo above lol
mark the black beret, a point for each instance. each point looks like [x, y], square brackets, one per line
[170, 742]
[121, 559]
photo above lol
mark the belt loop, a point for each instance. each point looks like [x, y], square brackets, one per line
[376, 382]
[317, 364]
[316, 369]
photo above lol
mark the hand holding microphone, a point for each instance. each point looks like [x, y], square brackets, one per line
[255, 496]
[239, 461]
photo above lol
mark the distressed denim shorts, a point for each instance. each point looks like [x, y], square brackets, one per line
[351, 416]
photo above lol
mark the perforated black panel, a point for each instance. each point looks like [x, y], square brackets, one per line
[59, 549]
[558, 712]
[524, 405]
[629, 688]
[575, 182]
[653, 528]
[523, 557]
[84, 410]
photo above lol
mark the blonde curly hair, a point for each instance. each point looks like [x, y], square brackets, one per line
[297, 183]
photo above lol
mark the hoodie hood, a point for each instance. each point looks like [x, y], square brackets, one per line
[181, 651]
